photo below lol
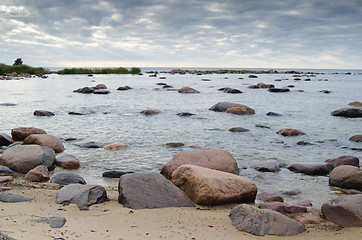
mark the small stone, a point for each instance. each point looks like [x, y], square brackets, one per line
[116, 146]
[43, 113]
[38, 174]
[4, 179]
[174, 144]
[114, 174]
[238, 129]
[54, 222]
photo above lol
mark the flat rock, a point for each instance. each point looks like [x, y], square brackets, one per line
[283, 207]
[67, 161]
[344, 160]
[223, 106]
[149, 112]
[85, 90]
[311, 168]
[13, 198]
[262, 222]
[38, 174]
[273, 114]
[346, 176]
[101, 91]
[278, 90]
[43, 113]
[355, 104]
[241, 110]
[150, 190]
[54, 222]
[348, 112]
[19, 134]
[82, 195]
[269, 197]
[5, 171]
[23, 158]
[6, 179]
[217, 159]
[309, 218]
[88, 145]
[290, 132]
[356, 138]
[116, 146]
[67, 178]
[114, 174]
[185, 114]
[5, 140]
[188, 90]
[211, 187]
[345, 211]
[45, 140]
[265, 166]
[238, 129]
[174, 144]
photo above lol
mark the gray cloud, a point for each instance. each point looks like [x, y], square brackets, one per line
[230, 33]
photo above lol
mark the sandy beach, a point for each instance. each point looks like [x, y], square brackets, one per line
[110, 220]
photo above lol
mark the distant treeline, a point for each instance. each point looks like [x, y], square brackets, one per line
[21, 69]
[120, 70]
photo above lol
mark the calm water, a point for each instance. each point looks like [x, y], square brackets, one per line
[116, 118]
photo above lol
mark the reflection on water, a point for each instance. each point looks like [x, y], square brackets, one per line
[115, 118]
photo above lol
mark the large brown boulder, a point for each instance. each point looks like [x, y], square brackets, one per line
[19, 134]
[311, 168]
[67, 161]
[344, 160]
[38, 174]
[346, 176]
[241, 110]
[45, 140]
[344, 211]
[211, 187]
[23, 158]
[217, 159]
[187, 90]
[5, 140]
[150, 190]
[262, 222]
[348, 112]
[223, 106]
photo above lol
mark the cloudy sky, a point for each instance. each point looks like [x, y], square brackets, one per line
[182, 33]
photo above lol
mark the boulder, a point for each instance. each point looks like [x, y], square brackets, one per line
[230, 90]
[265, 166]
[345, 211]
[278, 90]
[309, 218]
[346, 176]
[19, 134]
[67, 178]
[150, 190]
[356, 138]
[348, 112]
[241, 110]
[88, 145]
[85, 90]
[82, 195]
[355, 104]
[283, 207]
[290, 132]
[43, 113]
[67, 161]
[45, 140]
[38, 174]
[223, 106]
[263, 85]
[269, 197]
[23, 158]
[238, 129]
[344, 160]
[100, 86]
[114, 174]
[101, 91]
[13, 198]
[5, 140]
[149, 112]
[187, 90]
[311, 168]
[211, 187]
[262, 222]
[125, 88]
[217, 159]
[116, 146]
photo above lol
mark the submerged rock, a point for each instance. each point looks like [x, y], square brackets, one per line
[348, 112]
[223, 106]
[241, 110]
[149, 112]
[265, 166]
[187, 90]
[114, 174]
[43, 113]
[311, 168]
[290, 132]
[344, 160]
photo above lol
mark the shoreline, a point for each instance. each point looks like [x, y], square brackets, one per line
[110, 220]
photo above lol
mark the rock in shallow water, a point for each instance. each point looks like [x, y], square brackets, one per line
[348, 112]
[346, 176]
[67, 178]
[265, 166]
[311, 168]
[5, 140]
[344, 160]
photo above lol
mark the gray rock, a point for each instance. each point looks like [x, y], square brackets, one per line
[188, 90]
[5, 171]
[238, 129]
[262, 222]
[23, 158]
[67, 178]
[346, 176]
[12, 198]
[223, 106]
[265, 166]
[82, 195]
[150, 190]
[344, 211]
[54, 222]
[344, 160]
[88, 145]
[311, 168]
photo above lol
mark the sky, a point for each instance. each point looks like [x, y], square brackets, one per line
[317, 34]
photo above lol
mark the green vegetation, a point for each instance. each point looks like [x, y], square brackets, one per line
[22, 68]
[18, 61]
[99, 71]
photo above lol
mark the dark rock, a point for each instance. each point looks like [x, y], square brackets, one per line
[238, 129]
[85, 90]
[70, 139]
[254, 87]
[174, 144]
[344, 160]
[216, 159]
[311, 168]
[273, 114]
[43, 113]
[283, 207]
[88, 145]
[292, 192]
[5, 171]
[325, 91]
[67, 161]
[149, 112]
[351, 191]
[348, 112]
[8, 104]
[269, 197]
[54, 222]
[290, 132]
[230, 90]
[346, 176]
[12, 198]
[125, 88]
[185, 114]
[241, 110]
[150, 190]
[212, 187]
[223, 106]
[261, 126]
[305, 203]
[265, 166]
[82, 195]
[262, 222]
[114, 174]
[67, 178]
[263, 85]
[38, 174]
[345, 211]
[304, 143]
[19, 134]
[45, 140]
[187, 90]
[356, 138]
[5, 140]
[101, 91]
[76, 113]
[252, 76]
[23, 158]
[278, 90]
[100, 86]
